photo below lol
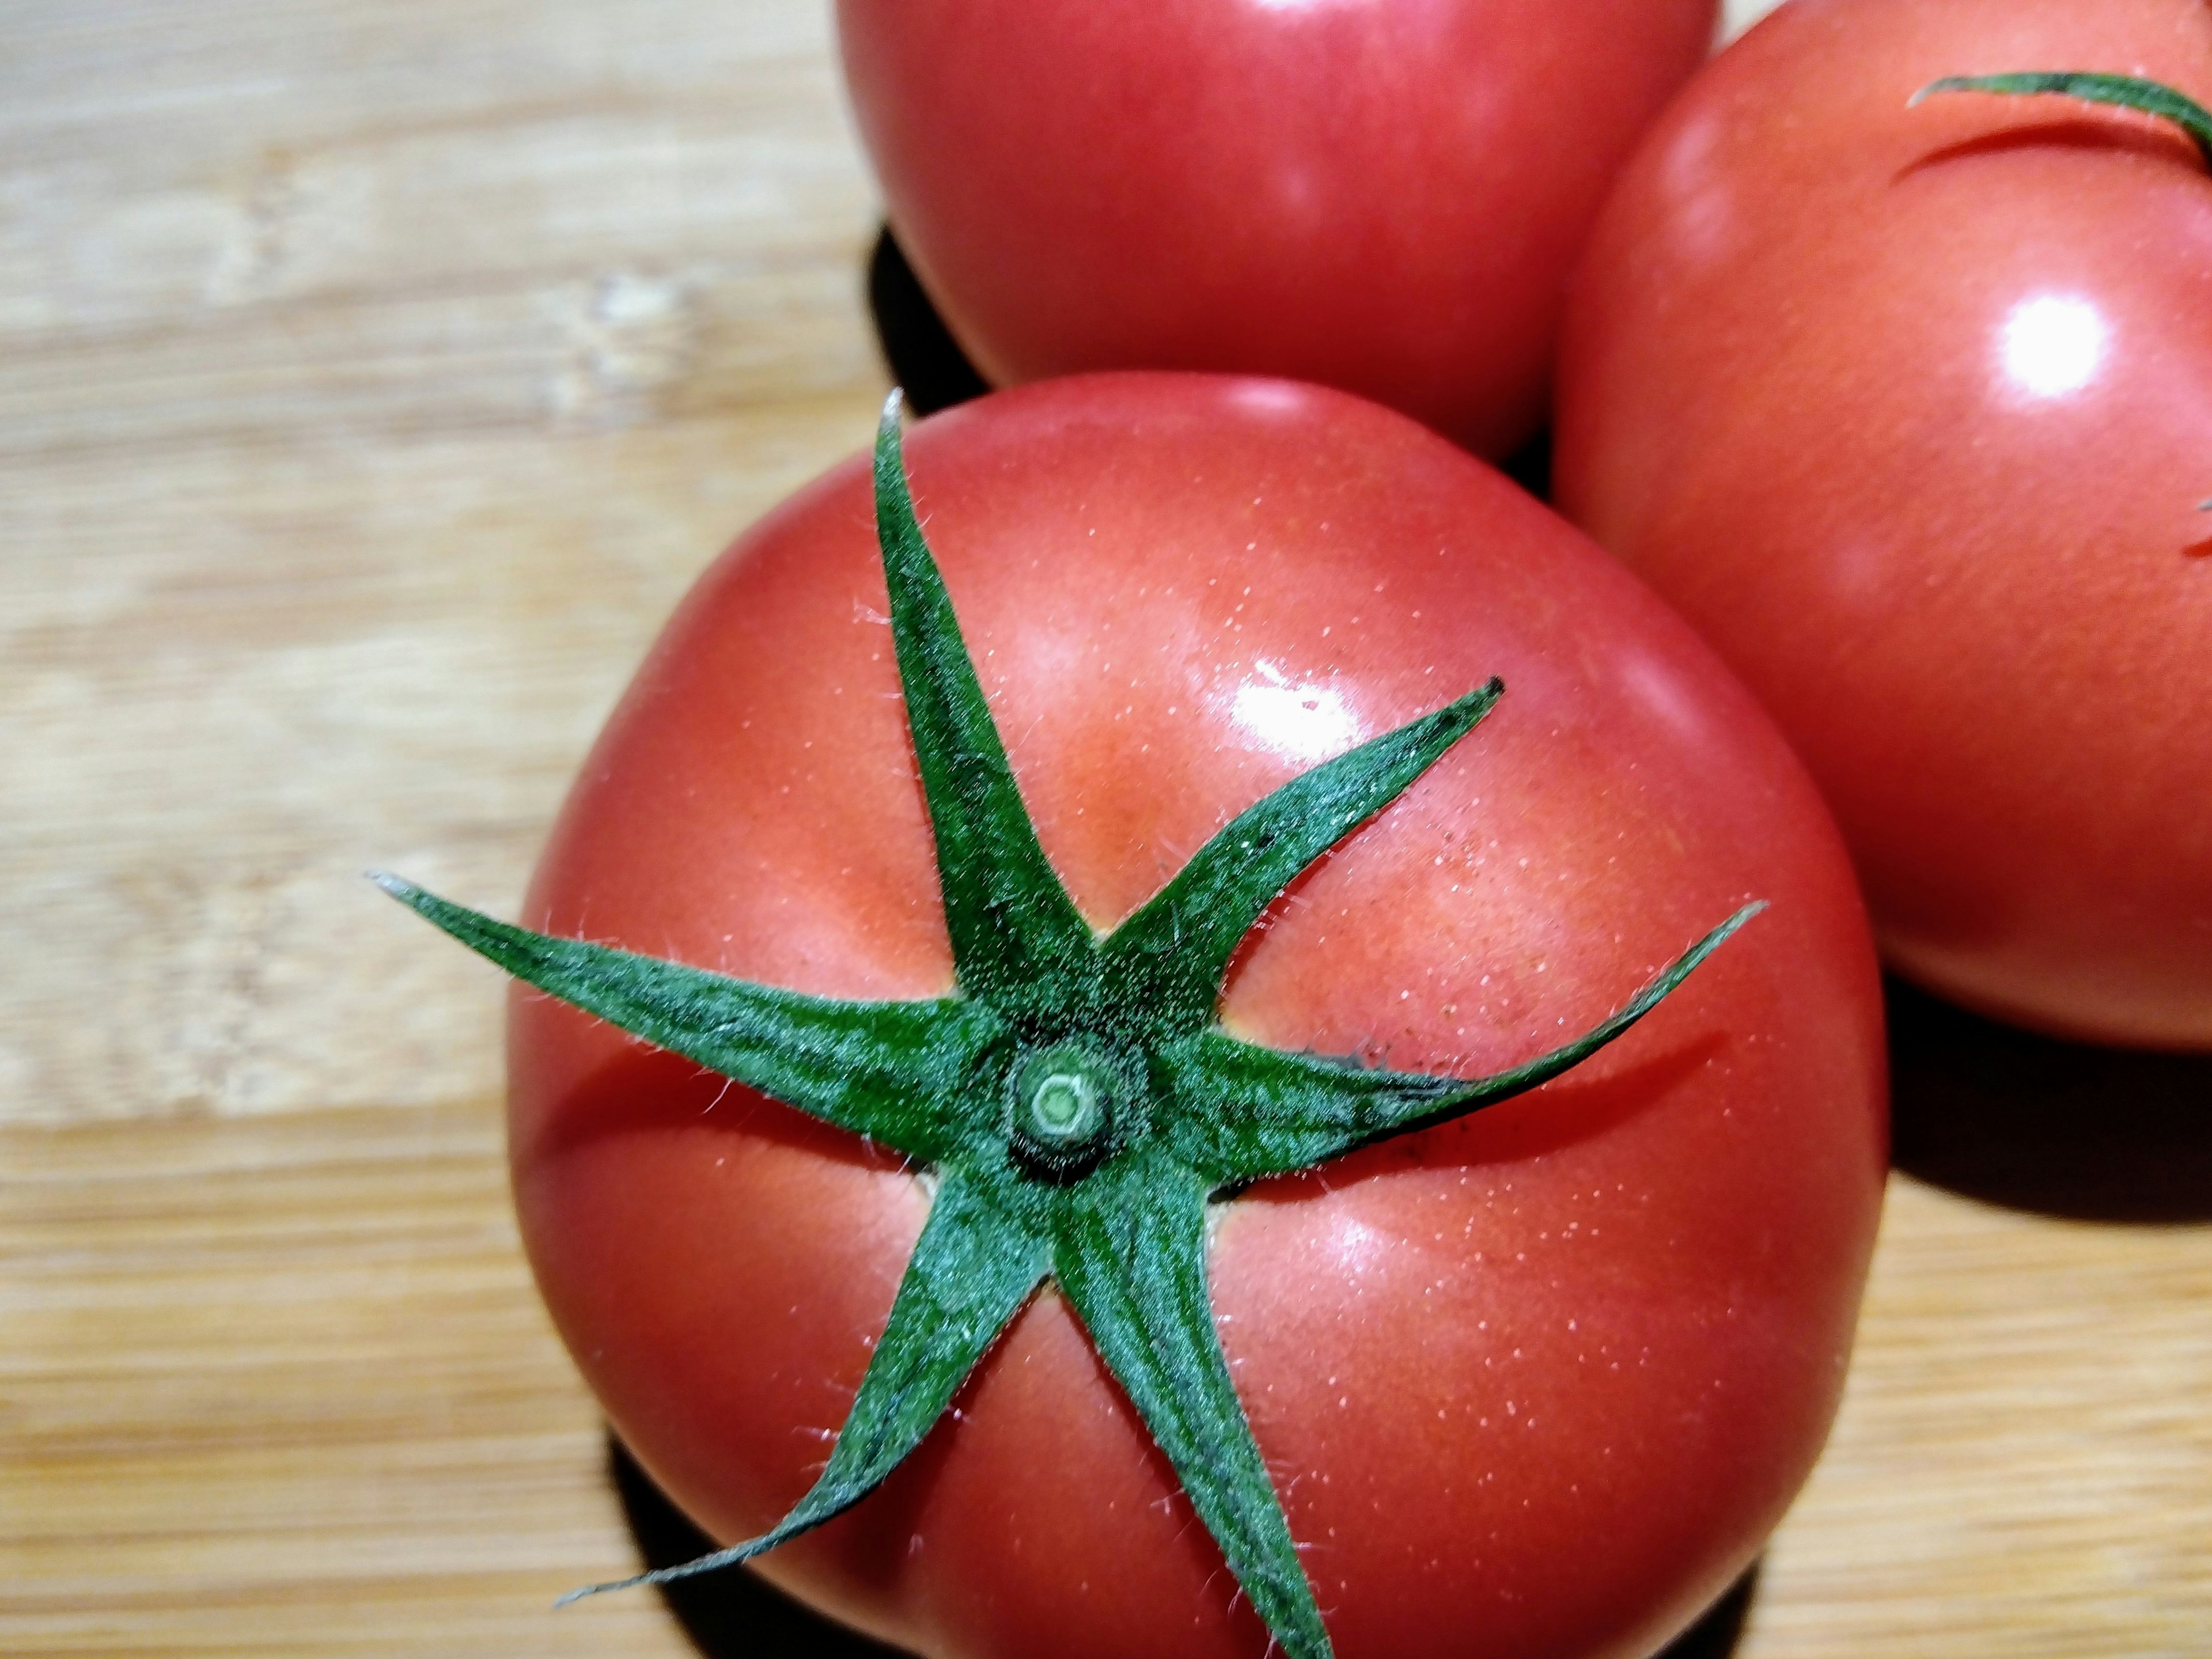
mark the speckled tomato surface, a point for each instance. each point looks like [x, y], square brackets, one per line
[1385, 196]
[1536, 1383]
[1909, 411]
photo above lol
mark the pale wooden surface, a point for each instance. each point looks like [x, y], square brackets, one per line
[372, 378]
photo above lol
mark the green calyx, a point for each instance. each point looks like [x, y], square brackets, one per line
[1075, 1095]
[2123, 91]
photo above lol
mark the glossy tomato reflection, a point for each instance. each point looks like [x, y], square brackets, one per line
[1910, 409]
[1536, 1383]
[1384, 195]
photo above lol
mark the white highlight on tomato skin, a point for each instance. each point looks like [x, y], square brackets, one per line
[1353, 1246]
[1308, 722]
[2053, 344]
[1264, 397]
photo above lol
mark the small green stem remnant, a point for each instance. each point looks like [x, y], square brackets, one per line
[1060, 1113]
[2123, 91]
[1076, 1097]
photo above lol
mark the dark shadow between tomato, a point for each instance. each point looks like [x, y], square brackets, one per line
[739, 1615]
[1530, 465]
[2032, 1123]
[925, 359]
[918, 350]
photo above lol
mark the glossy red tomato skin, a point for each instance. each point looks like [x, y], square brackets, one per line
[1539, 1384]
[1385, 196]
[1909, 411]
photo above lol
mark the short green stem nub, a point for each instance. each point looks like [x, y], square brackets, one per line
[1061, 1108]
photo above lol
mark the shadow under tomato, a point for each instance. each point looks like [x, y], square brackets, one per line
[1720, 1628]
[736, 1614]
[2033, 1123]
[733, 1613]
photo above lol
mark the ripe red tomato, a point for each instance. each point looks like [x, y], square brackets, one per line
[1384, 197]
[1909, 411]
[1536, 1383]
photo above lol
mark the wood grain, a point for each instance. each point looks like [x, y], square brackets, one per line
[373, 379]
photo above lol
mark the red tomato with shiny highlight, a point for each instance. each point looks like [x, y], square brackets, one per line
[1538, 1383]
[1909, 411]
[1384, 195]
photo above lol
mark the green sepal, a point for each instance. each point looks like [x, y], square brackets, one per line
[1242, 1111]
[972, 1269]
[1130, 1257]
[1166, 961]
[1018, 938]
[2124, 91]
[889, 1070]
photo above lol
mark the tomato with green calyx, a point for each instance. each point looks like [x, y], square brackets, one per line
[1111, 1169]
[1899, 390]
[1384, 197]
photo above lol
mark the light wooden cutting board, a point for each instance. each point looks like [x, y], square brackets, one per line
[373, 379]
